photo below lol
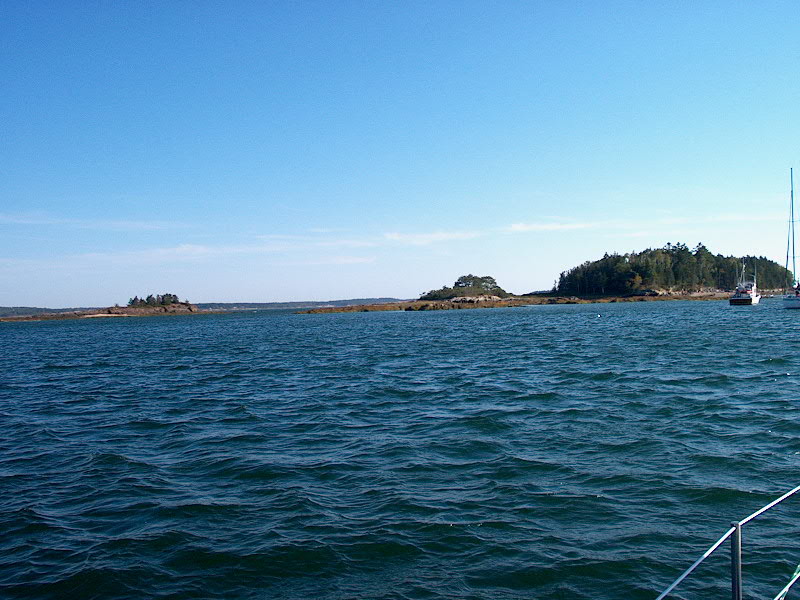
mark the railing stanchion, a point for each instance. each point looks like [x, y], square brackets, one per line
[735, 533]
[736, 561]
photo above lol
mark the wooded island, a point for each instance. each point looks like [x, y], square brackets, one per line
[673, 268]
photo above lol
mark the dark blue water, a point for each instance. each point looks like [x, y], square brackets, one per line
[588, 451]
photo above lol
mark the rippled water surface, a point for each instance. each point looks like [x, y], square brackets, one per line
[588, 451]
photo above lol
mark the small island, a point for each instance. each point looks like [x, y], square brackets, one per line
[152, 305]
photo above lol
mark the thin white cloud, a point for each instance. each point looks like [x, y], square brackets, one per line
[283, 236]
[730, 218]
[322, 249]
[423, 239]
[198, 251]
[38, 220]
[347, 244]
[333, 260]
[640, 224]
[300, 242]
[181, 253]
[318, 230]
[632, 234]
[522, 227]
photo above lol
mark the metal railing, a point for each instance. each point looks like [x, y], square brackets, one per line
[735, 535]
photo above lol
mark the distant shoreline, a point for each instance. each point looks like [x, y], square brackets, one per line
[514, 301]
[181, 308]
[394, 305]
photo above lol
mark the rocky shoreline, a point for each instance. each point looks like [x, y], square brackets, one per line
[514, 301]
[461, 303]
[181, 308]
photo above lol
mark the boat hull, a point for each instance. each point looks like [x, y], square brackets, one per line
[791, 302]
[744, 301]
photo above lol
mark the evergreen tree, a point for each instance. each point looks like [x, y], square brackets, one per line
[155, 300]
[467, 285]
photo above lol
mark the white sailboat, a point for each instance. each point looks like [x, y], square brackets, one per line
[792, 299]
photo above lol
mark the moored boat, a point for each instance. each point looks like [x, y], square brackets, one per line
[746, 293]
[792, 300]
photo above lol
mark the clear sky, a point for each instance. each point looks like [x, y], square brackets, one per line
[274, 151]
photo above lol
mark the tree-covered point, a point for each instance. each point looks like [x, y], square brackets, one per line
[151, 300]
[671, 268]
[467, 285]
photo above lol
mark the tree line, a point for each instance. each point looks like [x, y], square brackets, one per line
[467, 285]
[672, 268]
[151, 300]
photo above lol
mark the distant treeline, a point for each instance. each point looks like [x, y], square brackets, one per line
[234, 306]
[673, 268]
[24, 311]
[151, 300]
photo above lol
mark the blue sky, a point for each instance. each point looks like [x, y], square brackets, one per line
[259, 152]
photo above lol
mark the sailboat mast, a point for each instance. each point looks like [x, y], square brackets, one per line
[741, 279]
[789, 229]
[791, 196]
